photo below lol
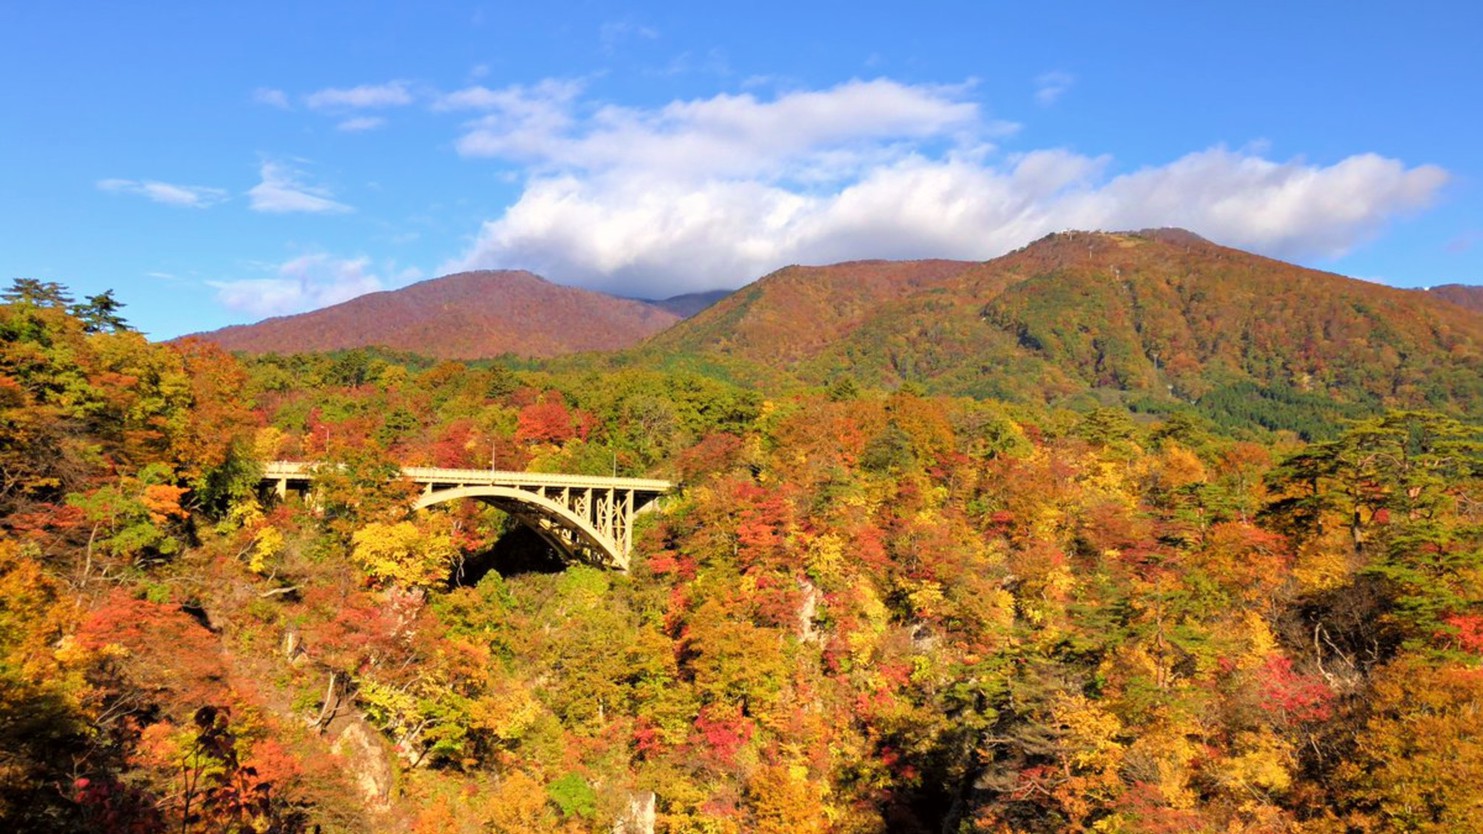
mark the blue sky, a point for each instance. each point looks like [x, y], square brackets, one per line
[217, 164]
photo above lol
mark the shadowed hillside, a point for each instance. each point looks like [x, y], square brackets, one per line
[690, 303]
[1463, 295]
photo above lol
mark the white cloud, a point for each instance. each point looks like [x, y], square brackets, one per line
[190, 196]
[360, 124]
[698, 194]
[307, 282]
[829, 132]
[390, 94]
[283, 190]
[271, 97]
[1051, 86]
[1289, 209]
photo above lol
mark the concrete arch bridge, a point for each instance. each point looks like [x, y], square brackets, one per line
[584, 518]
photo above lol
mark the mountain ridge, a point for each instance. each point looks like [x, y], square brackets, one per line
[479, 314]
[1156, 316]
[1161, 317]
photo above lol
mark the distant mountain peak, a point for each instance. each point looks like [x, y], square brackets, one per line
[466, 315]
[1158, 314]
[492, 274]
[1165, 234]
[688, 304]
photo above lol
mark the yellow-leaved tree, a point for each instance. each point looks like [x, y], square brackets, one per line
[1418, 762]
[404, 554]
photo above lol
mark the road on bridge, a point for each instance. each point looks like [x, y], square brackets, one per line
[585, 518]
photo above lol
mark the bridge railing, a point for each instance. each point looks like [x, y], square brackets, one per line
[438, 475]
[281, 469]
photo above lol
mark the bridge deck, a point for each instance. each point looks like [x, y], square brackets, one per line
[433, 476]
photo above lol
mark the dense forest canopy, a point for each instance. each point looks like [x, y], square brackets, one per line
[869, 608]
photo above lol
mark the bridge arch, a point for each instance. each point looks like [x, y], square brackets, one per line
[584, 517]
[563, 529]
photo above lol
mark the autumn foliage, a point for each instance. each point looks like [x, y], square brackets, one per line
[863, 610]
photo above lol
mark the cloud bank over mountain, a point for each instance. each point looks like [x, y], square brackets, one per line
[711, 192]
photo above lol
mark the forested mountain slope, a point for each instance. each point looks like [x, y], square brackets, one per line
[1160, 318]
[469, 315]
[791, 314]
[1141, 312]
